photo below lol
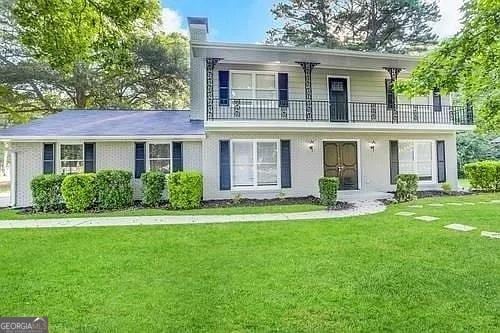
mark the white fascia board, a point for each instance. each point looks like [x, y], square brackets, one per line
[287, 126]
[304, 50]
[100, 138]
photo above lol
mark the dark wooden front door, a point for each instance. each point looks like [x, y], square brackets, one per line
[337, 90]
[341, 160]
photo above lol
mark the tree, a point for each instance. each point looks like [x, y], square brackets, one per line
[468, 63]
[142, 68]
[366, 25]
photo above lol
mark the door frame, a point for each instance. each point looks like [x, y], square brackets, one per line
[358, 156]
[348, 78]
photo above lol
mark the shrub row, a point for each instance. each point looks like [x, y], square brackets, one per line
[484, 176]
[112, 189]
[406, 187]
[107, 189]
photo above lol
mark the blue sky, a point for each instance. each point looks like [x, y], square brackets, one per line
[248, 20]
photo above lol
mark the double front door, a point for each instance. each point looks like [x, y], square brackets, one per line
[341, 160]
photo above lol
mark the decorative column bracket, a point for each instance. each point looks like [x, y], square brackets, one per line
[393, 74]
[308, 67]
[210, 66]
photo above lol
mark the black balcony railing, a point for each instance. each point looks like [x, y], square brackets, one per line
[296, 110]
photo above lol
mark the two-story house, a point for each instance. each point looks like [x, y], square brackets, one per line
[265, 121]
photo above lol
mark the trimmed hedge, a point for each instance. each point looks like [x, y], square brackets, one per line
[79, 191]
[114, 189]
[484, 175]
[185, 189]
[328, 187]
[153, 186]
[406, 187]
[46, 192]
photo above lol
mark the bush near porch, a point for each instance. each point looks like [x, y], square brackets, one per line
[406, 187]
[484, 176]
[328, 187]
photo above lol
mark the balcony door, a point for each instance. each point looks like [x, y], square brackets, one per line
[338, 96]
[341, 160]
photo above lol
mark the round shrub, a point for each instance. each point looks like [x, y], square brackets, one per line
[328, 187]
[46, 192]
[79, 191]
[484, 175]
[185, 189]
[406, 187]
[114, 189]
[153, 186]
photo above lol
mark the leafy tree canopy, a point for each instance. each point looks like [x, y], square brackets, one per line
[468, 63]
[367, 25]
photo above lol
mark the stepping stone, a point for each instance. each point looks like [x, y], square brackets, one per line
[416, 206]
[426, 218]
[490, 234]
[469, 203]
[405, 213]
[495, 201]
[459, 227]
[455, 204]
[436, 205]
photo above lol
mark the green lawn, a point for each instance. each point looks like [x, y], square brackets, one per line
[10, 214]
[366, 274]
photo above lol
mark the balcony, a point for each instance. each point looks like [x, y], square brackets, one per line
[325, 111]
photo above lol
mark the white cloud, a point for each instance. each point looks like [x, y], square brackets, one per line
[171, 21]
[450, 18]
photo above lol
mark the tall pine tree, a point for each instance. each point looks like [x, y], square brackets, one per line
[366, 25]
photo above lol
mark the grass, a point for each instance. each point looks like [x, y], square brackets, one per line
[366, 274]
[10, 214]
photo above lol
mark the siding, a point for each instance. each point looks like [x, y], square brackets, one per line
[307, 166]
[109, 155]
[365, 86]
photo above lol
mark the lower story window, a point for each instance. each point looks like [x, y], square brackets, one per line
[416, 157]
[254, 163]
[72, 158]
[160, 157]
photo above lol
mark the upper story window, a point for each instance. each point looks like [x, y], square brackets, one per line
[436, 100]
[251, 85]
[72, 158]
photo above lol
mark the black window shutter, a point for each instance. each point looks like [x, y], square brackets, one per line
[224, 165]
[389, 94]
[394, 160]
[441, 161]
[436, 100]
[286, 168]
[140, 159]
[89, 157]
[224, 88]
[283, 89]
[49, 158]
[177, 156]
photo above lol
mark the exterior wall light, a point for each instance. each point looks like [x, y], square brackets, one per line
[310, 145]
[372, 145]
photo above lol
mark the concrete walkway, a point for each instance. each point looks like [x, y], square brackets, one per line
[360, 208]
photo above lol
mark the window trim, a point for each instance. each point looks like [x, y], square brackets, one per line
[254, 83]
[256, 187]
[59, 159]
[433, 159]
[148, 159]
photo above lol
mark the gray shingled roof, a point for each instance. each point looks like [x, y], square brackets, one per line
[88, 123]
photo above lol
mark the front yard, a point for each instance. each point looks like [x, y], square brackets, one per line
[373, 273]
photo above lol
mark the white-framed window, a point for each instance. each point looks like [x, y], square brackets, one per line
[247, 86]
[159, 157]
[417, 157]
[71, 158]
[255, 164]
